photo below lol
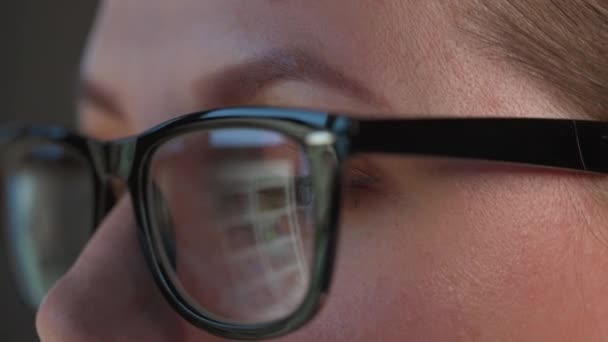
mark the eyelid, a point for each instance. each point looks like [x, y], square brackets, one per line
[96, 95]
[95, 122]
[310, 94]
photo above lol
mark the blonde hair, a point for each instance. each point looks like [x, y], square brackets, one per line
[561, 43]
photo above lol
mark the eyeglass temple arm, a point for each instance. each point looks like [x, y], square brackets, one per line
[567, 144]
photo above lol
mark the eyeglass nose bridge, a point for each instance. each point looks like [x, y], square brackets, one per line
[119, 157]
[113, 162]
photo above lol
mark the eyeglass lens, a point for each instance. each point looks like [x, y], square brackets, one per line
[47, 197]
[234, 209]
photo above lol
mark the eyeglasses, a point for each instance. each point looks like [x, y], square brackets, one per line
[238, 208]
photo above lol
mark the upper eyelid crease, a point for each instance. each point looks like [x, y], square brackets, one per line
[95, 94]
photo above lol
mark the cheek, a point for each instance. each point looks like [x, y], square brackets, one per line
[456, 258]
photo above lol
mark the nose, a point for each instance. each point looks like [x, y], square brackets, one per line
[109, 294]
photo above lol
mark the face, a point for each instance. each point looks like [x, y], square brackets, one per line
[430, 249]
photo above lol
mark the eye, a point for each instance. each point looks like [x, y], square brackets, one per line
[363, 184]
[359, 178]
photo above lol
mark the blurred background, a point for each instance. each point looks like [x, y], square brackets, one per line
[42, 42]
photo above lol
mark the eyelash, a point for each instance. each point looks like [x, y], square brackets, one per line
[361, 188]
[358, 178]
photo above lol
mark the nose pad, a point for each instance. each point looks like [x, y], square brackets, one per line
[117, 187]
[164, 223]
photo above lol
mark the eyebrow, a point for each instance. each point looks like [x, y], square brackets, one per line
[241, 83]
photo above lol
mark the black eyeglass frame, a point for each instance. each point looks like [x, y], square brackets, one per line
[327, 140]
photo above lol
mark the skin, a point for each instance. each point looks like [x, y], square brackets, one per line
[431, 250]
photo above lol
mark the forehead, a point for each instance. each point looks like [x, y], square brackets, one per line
[149, 23]
[149, 52]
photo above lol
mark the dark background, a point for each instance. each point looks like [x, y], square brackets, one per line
[41, 45]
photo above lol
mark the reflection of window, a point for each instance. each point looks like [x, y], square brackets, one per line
[266, 231]
[244, 138]
[271, 198]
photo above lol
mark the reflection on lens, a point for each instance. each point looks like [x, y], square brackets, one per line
[243, 239]
[47, 204]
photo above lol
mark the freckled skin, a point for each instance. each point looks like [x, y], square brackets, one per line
[432, 250]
